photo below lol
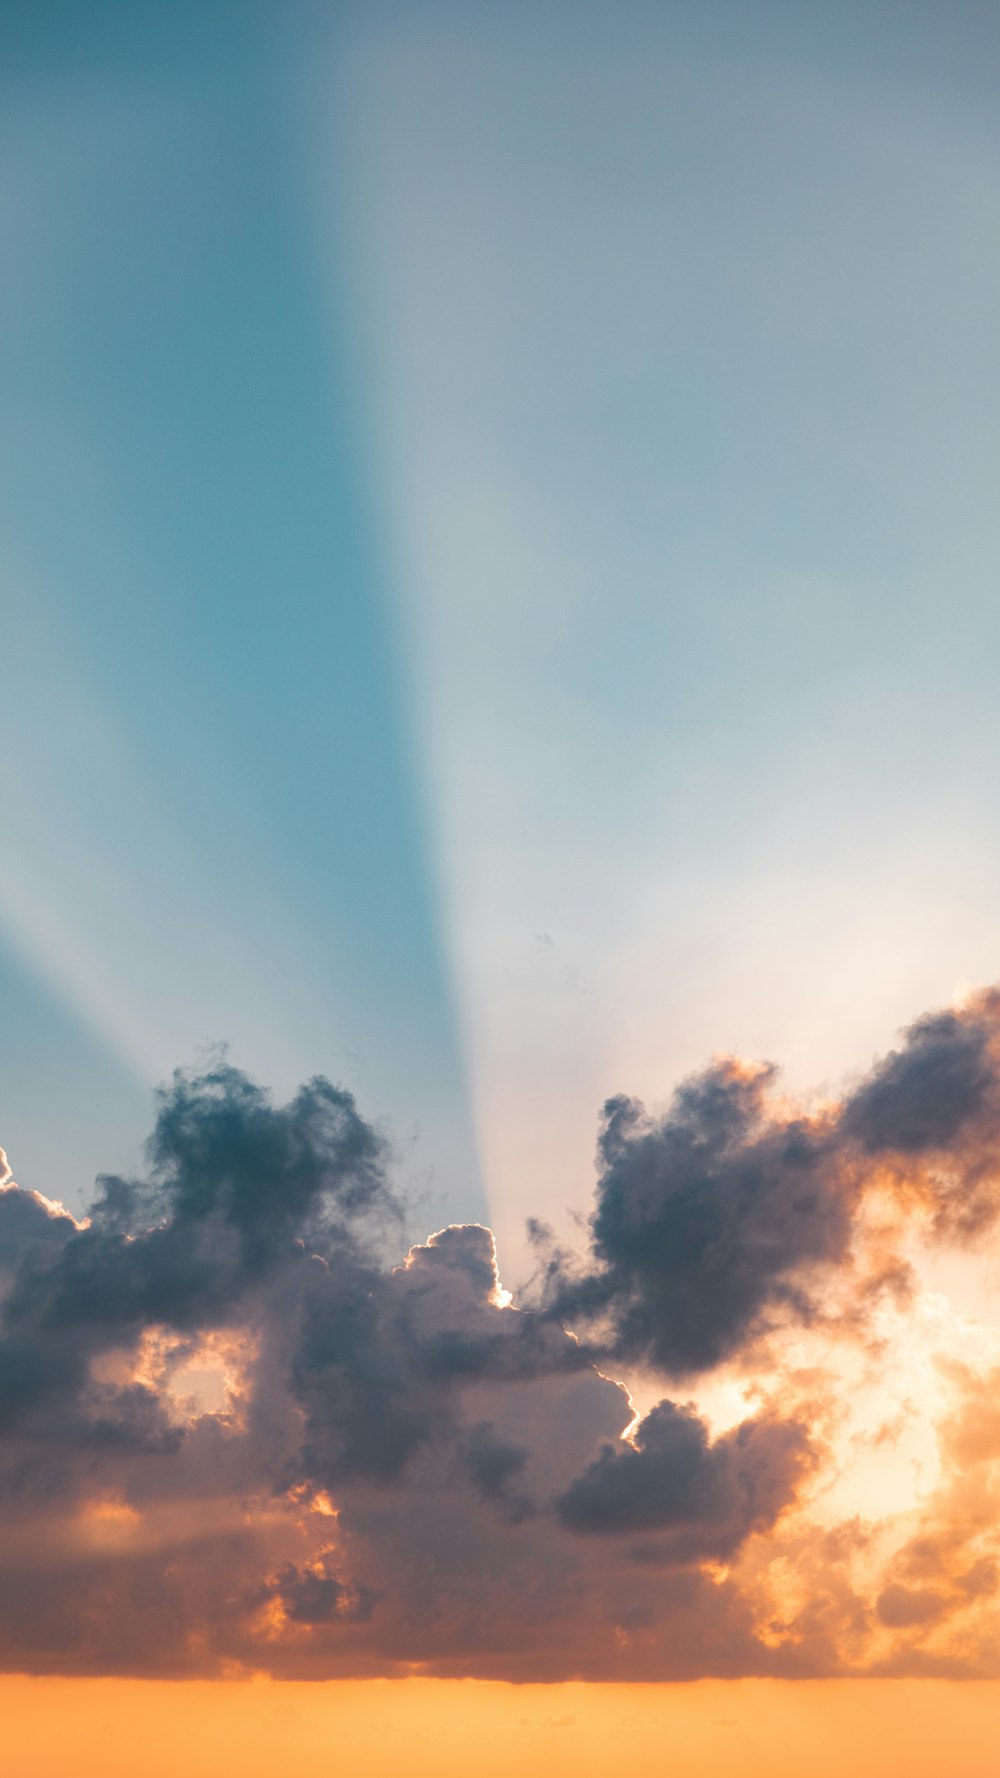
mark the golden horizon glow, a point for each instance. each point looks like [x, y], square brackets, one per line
[447, 1728]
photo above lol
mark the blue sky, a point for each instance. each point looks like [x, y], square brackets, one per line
[500, 558]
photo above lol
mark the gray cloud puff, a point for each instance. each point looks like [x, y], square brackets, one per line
[235, 1436]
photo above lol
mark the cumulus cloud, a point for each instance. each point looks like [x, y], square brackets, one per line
[932, 1111]
[240, 1430]
[671, 1478]
[705, 1219]
[727, 1216]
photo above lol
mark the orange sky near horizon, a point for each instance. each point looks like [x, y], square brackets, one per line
[108, 1728]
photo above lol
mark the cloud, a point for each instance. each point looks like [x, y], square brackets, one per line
[902, 1607]
[727, 1216]
[671, 1478]
[235, 1436]
[706, 1218]
[495, 1465]
[932, 1108]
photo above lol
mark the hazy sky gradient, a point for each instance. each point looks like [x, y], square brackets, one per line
[212, 823]
[681, 343]
[501, 552]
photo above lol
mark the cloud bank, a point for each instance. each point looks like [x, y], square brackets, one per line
[241, 1432]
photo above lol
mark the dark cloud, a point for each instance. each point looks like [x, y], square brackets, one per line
[672, 1478]
[381, 1359]
[705, 1219]
[396, 1462]
[30, 1230]
[933, 1108]
[234, 1436]
[222, 1153]
[237, 1187]
[317, 1595]
[922, 1096]
[495, 1466]
[727, 1216]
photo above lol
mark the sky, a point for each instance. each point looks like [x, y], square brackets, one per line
[498, 614]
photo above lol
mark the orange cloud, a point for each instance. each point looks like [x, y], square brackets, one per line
[750, 1431]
